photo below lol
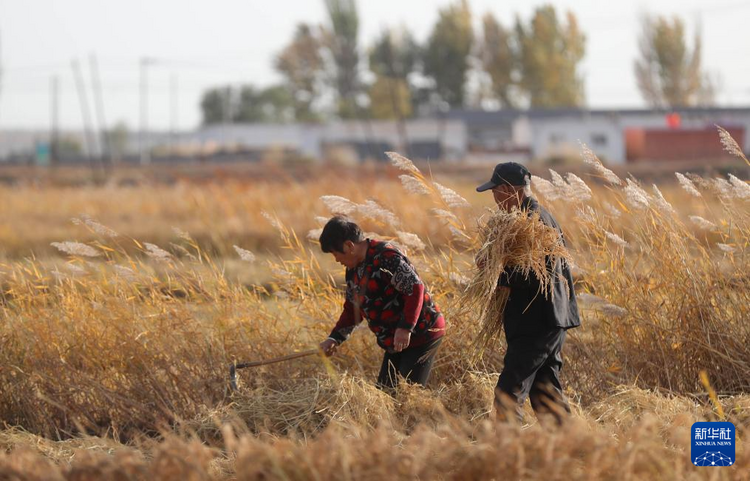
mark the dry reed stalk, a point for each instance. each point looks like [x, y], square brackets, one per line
[545, 187]
[76, 249]
[688, 185]
[414, 185]
[244, 254]
[731, 145]
[590, 158]
[402, 163]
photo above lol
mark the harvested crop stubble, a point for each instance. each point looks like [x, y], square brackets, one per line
[307, 406]
[519, 244]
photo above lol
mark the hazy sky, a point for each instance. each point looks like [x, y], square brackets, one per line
[201, 43]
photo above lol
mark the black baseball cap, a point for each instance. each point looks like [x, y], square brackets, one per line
[510, 173]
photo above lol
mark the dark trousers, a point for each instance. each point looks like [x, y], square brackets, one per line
[532, 369]
[413, 363]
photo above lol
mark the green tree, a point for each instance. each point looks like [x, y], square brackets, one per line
[217, 105]
[390, 98]
[301, 64]
[498, 59]
[549, 53]
[668, 73]
[247, 104]
[340, 40]
[446, 57]
[272, 104]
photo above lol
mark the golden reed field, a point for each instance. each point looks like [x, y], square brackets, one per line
[123, 304]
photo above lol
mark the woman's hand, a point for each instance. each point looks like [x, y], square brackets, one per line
[401, 339]
[329, 347]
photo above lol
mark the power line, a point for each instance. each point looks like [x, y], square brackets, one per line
[722, 8]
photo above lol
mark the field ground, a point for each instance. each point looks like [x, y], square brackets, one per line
[114, 347]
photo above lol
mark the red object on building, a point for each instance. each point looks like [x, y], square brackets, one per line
[674, 120]
[644, 145]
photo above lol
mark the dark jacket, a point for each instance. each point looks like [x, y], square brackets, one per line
[528, 311]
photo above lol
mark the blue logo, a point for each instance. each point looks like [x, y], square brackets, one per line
[712, 444]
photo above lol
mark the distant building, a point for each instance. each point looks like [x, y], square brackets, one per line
[615, 136]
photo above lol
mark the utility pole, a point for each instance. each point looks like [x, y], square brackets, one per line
[96, 86]
[228, 114]
[228, 101]
[143, 147]
[90, 141]
[173, 109]
[54, 158]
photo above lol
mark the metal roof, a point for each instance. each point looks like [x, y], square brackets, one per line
[478, 118]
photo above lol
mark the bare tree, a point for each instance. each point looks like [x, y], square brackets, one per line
[668, 73]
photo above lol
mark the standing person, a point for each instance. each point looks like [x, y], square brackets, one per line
[383, 288]
[534, 323]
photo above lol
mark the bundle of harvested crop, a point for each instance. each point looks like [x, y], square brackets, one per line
[517, 244]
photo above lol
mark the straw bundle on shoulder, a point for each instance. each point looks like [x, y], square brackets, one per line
[520, 243]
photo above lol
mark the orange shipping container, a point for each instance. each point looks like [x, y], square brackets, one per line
[677, 144]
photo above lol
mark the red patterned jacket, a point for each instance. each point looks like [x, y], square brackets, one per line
[386, 290]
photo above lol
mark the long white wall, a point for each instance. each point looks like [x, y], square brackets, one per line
[309, 139]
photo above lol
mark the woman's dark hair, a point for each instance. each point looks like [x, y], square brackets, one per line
[337, 231]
